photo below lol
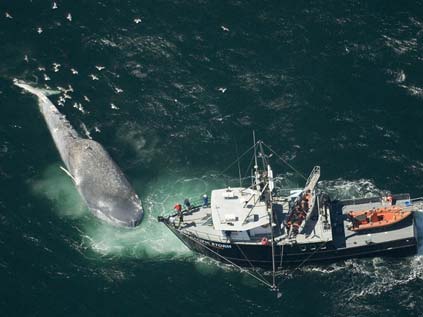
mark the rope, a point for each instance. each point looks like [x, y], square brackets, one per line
[249, 262]
[229, 261]
[239, 158]
[249, 165]
[304, 261]
[282, 247]
[289, 165]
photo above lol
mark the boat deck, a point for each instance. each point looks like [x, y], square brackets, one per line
[346, 238]
[199, 222]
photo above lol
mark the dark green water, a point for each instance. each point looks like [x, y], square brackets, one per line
[333, 83]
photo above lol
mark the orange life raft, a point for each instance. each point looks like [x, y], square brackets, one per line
[377, 217]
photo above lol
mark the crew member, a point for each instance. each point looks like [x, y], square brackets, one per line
[187, 203]
[205, 200]
[178, 208]
[389, 199]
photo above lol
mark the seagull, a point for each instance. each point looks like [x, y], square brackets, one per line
[69, 17]
[56, 67]
[7, 15]
[78, 106]
[137, 20]
[54, 6]
[118, 90]
[224, 28]
[26, 59]
[86, 99]
[93, 77]
[39, 30]
[113, 106]
[66, 96]
[70, 89]
[46, 77]
[100, 68]
[222, 90]
[96, 129]
[61, 101]
[41, 69]
[74, 71]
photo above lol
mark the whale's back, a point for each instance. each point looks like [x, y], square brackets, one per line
[102, 184]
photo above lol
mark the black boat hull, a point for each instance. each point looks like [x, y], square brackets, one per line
[257, 255]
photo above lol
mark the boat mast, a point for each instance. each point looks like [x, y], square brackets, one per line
[270, 186]
[256, 172]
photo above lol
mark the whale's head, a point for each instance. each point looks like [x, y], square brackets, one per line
[125, 212]
[117, 211]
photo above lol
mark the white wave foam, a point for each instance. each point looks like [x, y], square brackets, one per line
[344, 189]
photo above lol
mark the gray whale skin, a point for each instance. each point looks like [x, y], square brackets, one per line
[97, 178]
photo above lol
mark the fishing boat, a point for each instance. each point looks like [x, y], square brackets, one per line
[261, 225]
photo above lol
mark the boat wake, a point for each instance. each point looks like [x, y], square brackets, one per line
[151, 241]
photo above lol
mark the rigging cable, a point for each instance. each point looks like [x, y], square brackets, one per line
[304, 261]
[230, 262]
[289, 165]
[233, 163]
[249, 262]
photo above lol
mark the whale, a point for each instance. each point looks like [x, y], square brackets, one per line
[98, 179]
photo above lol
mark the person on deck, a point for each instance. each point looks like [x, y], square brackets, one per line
[187, 203]
[205, 200]
[178, 208]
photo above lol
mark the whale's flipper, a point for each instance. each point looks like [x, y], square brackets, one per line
[68, 173]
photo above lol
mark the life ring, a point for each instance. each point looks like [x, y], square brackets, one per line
[264, 241]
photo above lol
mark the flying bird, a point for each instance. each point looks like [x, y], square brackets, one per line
[69, 17]
[74, 71]
[224, 28]
[137, 20]
[7, 15]
[56, 67]
[54, 6]
[113, 106]
[222, 89]
[39, 30]
[93, 77]
[99, 67]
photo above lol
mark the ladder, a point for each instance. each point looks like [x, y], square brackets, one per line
[312, 179]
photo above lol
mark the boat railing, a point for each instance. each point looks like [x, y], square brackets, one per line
[359, 201]
[195, 206]
[208, 236]
[218, 238]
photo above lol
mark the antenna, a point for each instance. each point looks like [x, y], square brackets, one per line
[255, 150]
[256, 173]
[239, 164]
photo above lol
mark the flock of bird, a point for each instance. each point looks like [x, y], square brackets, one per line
[65, 93]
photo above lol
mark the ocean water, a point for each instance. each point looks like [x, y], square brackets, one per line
[329, 83]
